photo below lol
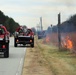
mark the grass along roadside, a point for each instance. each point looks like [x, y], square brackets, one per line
[60, 63]
[34, 62]
[47, 60]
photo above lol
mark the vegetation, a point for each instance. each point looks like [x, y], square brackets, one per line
[8, 22]
[33, 62]
[60, 63]
[47, 60]
[67, 26]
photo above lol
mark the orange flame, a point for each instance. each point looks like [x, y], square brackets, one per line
[68, 43]
[47, 39]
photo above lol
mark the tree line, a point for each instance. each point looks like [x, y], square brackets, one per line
[8, 22]
[67, 26]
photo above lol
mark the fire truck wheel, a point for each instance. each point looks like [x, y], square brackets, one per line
[6, 54]
[32, 45]
[15, 44]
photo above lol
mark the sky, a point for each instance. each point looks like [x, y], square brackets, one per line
[28, 12]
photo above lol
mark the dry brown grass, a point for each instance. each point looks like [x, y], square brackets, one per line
[47, 60]
[61, 63]
[34, 63]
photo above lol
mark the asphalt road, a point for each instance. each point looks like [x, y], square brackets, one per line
[13, 64]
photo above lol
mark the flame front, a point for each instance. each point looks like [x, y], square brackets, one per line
[47, 39]
[67, 43]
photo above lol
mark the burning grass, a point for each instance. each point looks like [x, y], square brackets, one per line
[48, 60]
[68, 41]
[60, 63]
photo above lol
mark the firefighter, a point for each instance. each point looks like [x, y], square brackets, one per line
[24, 29]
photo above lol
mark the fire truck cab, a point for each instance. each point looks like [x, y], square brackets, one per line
[4, 42]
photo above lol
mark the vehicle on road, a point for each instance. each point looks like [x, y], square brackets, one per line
[40, 34]
[4, 41]
[23, 35]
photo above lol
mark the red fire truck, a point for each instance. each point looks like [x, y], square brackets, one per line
[24, 36]
[4, 41]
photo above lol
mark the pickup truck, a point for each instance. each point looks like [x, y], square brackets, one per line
[4, 42]
[23, 36]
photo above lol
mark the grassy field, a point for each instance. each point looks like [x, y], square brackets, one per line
[48, 60]
[60, 63]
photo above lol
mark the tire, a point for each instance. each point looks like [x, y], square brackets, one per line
[6, 54]
[15, 44]
[32, 45]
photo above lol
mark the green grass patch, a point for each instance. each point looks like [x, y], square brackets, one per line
[59, 62]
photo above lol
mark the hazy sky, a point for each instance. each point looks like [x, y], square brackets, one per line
[28, 12]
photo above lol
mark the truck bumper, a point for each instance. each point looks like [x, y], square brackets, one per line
[24, 40]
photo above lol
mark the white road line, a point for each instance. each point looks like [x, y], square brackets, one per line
[21, 61]
[20, 65]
